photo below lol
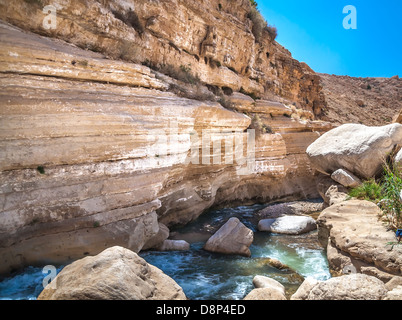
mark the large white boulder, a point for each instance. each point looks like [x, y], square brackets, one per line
[288, 225]
[355, 147]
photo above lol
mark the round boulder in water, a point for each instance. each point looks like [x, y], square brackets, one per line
[288, 225]
[232, 238]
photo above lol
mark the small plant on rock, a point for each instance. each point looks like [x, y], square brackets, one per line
[392, 202]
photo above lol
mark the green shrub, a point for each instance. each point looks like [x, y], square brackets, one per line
[392, 204]
[386, 193]
[272, 31]
[41, 169]
[370, 190]
[253, 3]
[259, 23]
[259, 127]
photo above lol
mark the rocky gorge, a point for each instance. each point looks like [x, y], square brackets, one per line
[103, 150]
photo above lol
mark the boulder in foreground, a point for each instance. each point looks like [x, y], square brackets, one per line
[114, 274]
[348, 287]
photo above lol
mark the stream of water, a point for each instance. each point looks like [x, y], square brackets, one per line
[210, 276]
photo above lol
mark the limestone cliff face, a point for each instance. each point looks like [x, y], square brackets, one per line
[213, 38]
[82, 162]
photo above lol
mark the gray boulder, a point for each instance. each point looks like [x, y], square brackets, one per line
[232, 238]
[346, 178]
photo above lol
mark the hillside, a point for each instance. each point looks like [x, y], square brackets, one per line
[369, 101]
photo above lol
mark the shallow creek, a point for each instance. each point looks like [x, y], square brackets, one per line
[210, 276]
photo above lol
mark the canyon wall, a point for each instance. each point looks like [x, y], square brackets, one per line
[96, 152]
[213, 38]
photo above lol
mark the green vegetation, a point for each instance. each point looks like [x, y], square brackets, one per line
[253, 3]
[370, 190]
[386, 193]
[259, 127]
[41, 169]
[392, 206]
[259, 24]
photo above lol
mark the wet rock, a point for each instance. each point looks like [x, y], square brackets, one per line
[288, 225]
[290, 208]
[174, 245]
[232, 238]
[266, 282]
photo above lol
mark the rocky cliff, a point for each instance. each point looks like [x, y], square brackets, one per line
[96, 152]
[214, 38]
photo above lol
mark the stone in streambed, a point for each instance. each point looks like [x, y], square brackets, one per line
[174, 245]
[232, 238]
[292, 225]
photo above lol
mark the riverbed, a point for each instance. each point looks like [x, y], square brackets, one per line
[210, 276]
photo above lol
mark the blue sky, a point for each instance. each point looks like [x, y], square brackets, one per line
[313, 32]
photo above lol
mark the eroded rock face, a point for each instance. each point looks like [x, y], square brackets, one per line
[87, 164]
[232, 238]
[212, 38]
[357, 148]
[354, 236]
[114, 274]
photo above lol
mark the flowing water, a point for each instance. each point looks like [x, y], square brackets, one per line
[210, 276]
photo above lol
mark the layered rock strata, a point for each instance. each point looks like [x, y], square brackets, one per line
[214, 39]
[95, 153]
